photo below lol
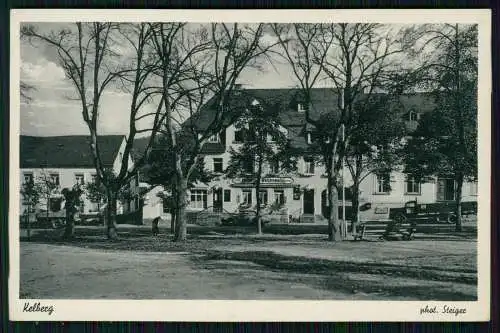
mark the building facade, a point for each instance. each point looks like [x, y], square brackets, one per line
[65, 161]
[302, 195]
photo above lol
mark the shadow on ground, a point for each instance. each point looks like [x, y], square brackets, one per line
[377, 279]
[425, 275]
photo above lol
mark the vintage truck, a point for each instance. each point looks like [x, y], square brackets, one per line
[440, 212]
[403, 220]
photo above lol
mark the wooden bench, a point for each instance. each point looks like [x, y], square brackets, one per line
[404, 230]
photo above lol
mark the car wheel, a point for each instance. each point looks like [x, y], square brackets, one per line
[400, 218]
[451, 218]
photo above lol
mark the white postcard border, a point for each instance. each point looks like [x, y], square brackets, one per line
[303, 310]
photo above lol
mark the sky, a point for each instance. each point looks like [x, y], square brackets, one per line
[54, 110]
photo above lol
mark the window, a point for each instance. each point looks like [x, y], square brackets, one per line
[309, 166]
[136, 179]
[136, 203]
[218, 167]
[214, 138]
[383, 183]
[279, 197]
[263, 197]
[412, 185]
[309, 138]
[247, 197]
[413, 116]
[94, 178]
[79, 178]
[275, 166]
[446, 188]
[54, 177]
[227, 195]
[28, 178]
[238, 135]
[81, 208]
[55, 204]
[198, 199]
[301, 108]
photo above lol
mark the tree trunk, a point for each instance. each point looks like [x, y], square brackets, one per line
[333, 219]
[172, 220]
[355, 207]
[458, 203]
[111, 215]
[257, 190]
[28, 223]
[48, 209]
[181, 225]
[69, 231]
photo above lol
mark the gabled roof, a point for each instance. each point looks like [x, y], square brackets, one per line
[72, 151]
[323, 100]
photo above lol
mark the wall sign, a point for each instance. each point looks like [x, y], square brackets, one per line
[296, 193]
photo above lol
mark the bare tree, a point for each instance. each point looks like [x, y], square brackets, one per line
[95, 59]
[353, 59]
[209, 60]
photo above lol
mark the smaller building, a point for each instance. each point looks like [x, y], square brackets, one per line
[67, 160]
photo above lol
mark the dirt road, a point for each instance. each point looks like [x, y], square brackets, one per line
[67, 272]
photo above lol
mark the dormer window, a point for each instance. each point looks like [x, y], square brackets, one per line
[413, 116]
[301, 108]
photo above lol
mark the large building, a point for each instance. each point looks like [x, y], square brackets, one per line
[302, 194]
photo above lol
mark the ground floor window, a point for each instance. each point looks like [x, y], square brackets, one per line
[198, 199]
[247, 197]
[279, 197]
[263, 197]
[412, 185]
[383, 183]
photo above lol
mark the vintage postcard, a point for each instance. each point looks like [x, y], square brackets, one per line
[265, 165]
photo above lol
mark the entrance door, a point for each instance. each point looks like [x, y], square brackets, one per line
[308, 201]
[217, 200]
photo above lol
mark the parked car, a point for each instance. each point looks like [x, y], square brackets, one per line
[436, 212]
[242, 219]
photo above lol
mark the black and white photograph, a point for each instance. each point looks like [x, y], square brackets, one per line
[250, 165]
